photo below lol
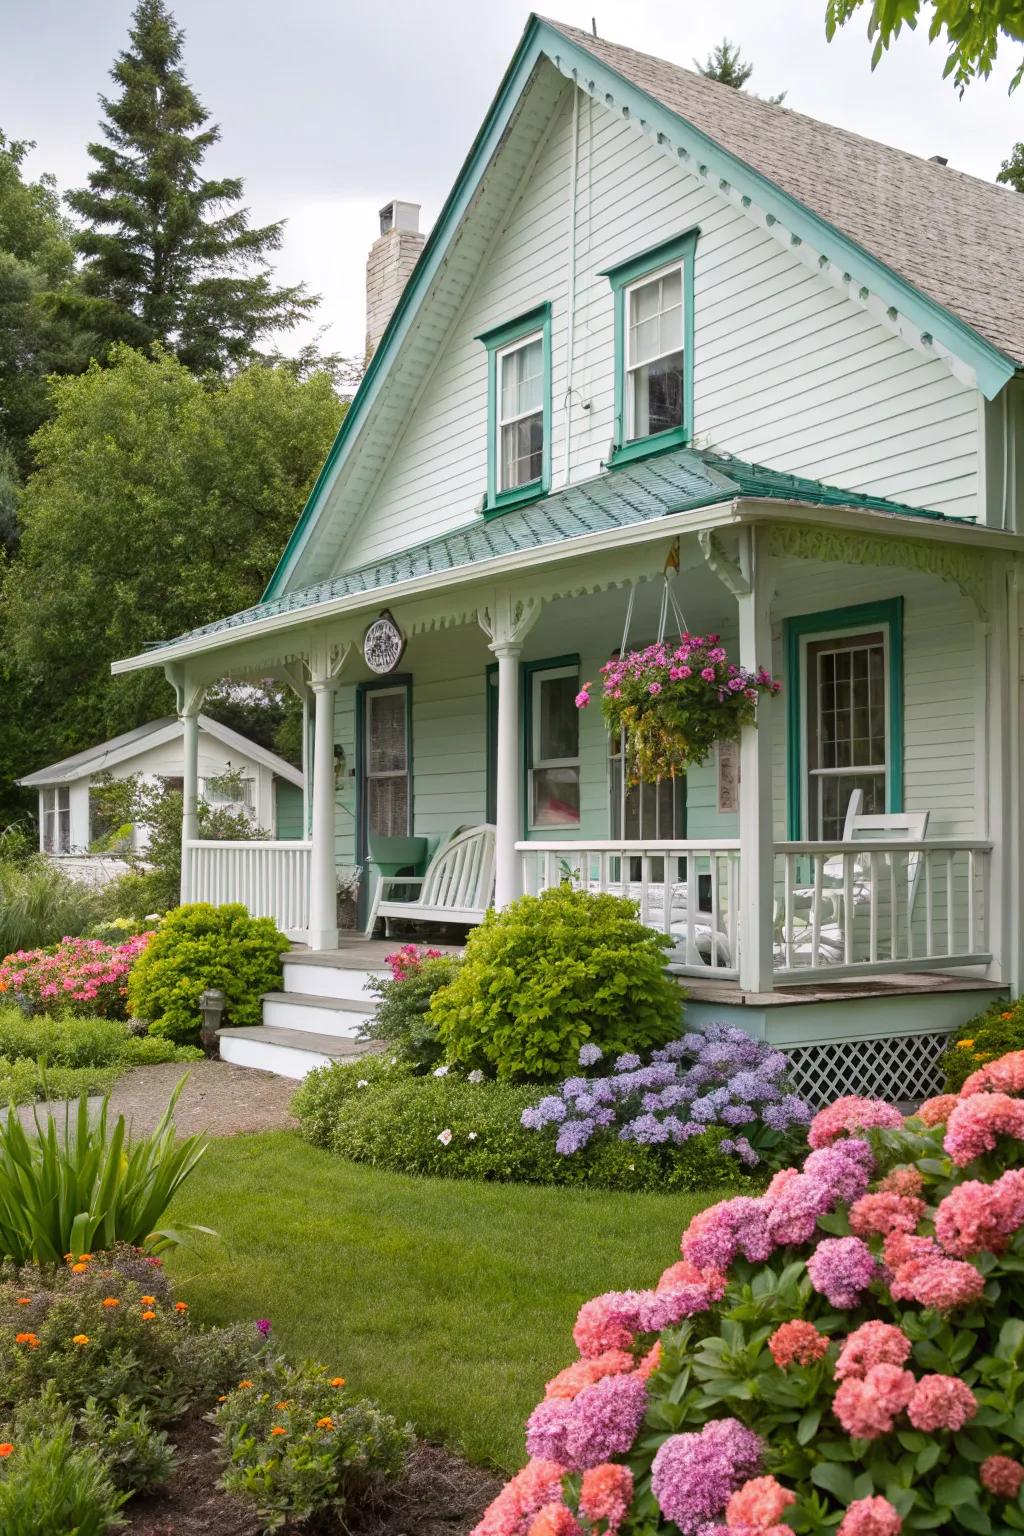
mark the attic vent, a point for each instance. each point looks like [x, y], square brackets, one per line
[938, 159]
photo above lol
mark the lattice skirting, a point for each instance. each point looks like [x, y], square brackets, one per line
[895, 1067]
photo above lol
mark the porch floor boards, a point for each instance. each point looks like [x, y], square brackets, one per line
[911, 984]
[359, 954]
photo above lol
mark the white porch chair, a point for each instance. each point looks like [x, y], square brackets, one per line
[822, 932]
[458, 886]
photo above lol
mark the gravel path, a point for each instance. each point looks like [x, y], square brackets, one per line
[218, 1098]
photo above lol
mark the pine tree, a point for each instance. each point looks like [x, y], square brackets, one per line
[169, 256]
[725, 65]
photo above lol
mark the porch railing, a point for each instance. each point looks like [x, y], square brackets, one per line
[271, 878]
[687, 888]
[839, 909]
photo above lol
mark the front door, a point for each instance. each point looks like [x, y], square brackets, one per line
[384, 786]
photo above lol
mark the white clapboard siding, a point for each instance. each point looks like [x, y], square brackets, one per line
[788, 372]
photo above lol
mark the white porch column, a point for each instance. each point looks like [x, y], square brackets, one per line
[323, 898]
[757, 844]
[189, 695]
[507, 620]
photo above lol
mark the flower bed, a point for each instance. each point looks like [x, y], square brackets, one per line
[83, 976]
[845, 1352]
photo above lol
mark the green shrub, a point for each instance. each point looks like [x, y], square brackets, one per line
[23, 1081]
[138, 1456]
[49, 1486]
[328, 1447]
[551, 973]
[985, 1038]
[402, 1020]
[70, 1042]
[40, 904]
[200, 946]
[396, 1121]
[83, 1184]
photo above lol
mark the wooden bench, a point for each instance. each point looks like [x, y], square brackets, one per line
[458, 886]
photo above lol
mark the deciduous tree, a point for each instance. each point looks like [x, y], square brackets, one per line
[971, 30]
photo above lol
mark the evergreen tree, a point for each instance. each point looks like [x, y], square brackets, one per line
[725, 64]
[170, 256]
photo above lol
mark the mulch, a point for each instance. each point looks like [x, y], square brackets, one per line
[441, 1496]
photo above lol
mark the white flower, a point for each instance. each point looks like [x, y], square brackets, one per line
[472, 1136]
[441, 1071]
[476, 1076]
[445, 1137]
[363, 1083]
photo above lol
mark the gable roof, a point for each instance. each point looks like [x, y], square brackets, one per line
[155, 733]
[681, 481]
[838, 196]
[954, 237]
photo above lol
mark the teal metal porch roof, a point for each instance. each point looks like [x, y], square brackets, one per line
[683, 481]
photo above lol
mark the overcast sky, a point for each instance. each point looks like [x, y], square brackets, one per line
[330, 108]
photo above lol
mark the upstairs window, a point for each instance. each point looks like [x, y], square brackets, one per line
[518, 410]
[654, 326]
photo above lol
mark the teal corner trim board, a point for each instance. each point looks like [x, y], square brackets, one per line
[668, 253]
[603, 83]
[888, 615]
[498, 337]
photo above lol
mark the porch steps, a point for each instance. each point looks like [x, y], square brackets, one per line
[287, 1052]
[311, 1013]
[321, 976]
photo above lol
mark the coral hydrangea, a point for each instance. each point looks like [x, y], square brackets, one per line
[606, 1494]
[871, 1517]
[981, 1218]
[797, 1343]
[869, 1406]
[941, 1402]
[873, 1343]
[538, 1484]
[1002, 1476]
[976, 1124]
[884, 1212]
[759, 1503]
[1006, 1075]
[851, 1114]
[938, 1110]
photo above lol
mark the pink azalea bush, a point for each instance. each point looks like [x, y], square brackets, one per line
[675, 702]
[82, 976]
[843, 1353]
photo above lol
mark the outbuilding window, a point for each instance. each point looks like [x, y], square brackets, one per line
[57, 819]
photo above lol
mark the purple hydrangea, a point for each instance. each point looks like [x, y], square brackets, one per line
[589, 1055]
[573, 1136]
[549, 1111]
[600, 1422]
[841, 1269]
[628, 1062]
[694, 1475]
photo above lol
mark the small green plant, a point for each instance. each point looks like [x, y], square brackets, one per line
[138, 1456]
[49, 1485]
[297, 1445]
[200, 946]
[86, 1185]
[984, 1038]
[402, 1019]
[550, 974]
[40, 904]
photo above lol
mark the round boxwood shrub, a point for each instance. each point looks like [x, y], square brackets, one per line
[551, 973]
[985, 1038]
[200, 946]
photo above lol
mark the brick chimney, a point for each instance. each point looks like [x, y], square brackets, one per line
[392, 257]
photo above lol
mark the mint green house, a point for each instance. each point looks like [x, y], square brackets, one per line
[671, 350]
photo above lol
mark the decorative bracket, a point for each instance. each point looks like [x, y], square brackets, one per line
[719, 563]
[507, 620]
[188, 691]
[326, 661]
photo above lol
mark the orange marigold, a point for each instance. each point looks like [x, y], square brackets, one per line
[80, 1338]
[181, 1306]
[337, 1381]
[325, 1423]
[31, 1339]
[111, 1301]
[147, 1317]
[6, 1448]
[282, 1405]
[246, 1383]
[24, 1301]
[277, 1429]
[79, 1268]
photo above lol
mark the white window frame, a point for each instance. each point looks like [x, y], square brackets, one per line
[501, 421]
[813, 776]
[248, 800]
[390, 773]
[630, 366]
[538, 677]
[53, 810]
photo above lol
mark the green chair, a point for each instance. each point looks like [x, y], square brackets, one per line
[397, 861]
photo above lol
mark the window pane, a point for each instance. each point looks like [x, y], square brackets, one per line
[559, 722]
[657, 396]
[656, 318]
[556, 797]
[834, 793]
[522, 452]
[851, 706]
[386, 744]
[388, 806]
[522, 380]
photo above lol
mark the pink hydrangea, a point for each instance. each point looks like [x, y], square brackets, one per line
[651, 1362]
[981, 1218]
[1006, 1075]
[583, 1373]
[537, 1484]
[715, 1236]
[555, 1520]
[607, 1322]
[759, 1503]
[937, 1282]
[901, 1248]
[873, 1343]
[879, 1214]
[693, 1475]
[606, 1494]
[904, 1180]
[977, 1123]
[1002, 1476]
[842, 1268]
[850, 1114]
[797, 1343]
[870, 1517]
[868, 1407]
[685, 1273]
[938, 1110]
[601, 1421]
[941, 1402]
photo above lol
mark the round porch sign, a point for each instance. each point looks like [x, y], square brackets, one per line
[383, 644]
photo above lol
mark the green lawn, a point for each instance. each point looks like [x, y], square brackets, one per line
[449, 1302]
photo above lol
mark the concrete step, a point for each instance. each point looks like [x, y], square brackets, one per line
[287, 1052]
[304, 1011]
[319, 977]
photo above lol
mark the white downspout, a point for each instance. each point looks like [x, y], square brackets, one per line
[571, 279]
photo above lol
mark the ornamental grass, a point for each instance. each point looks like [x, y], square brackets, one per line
[843, 1353]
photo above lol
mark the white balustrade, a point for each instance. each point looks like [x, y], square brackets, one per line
[271, 879]
[687, 888]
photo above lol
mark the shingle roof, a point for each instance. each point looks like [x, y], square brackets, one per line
[672, 482]
[954, 237]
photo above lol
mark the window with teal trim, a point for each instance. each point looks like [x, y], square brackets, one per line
[653, 298]
[518, 410]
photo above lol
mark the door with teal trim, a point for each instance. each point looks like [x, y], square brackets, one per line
[384, 787]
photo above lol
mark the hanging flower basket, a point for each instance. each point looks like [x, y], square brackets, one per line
[673, 703]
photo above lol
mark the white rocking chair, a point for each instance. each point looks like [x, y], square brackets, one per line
[458, 886]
